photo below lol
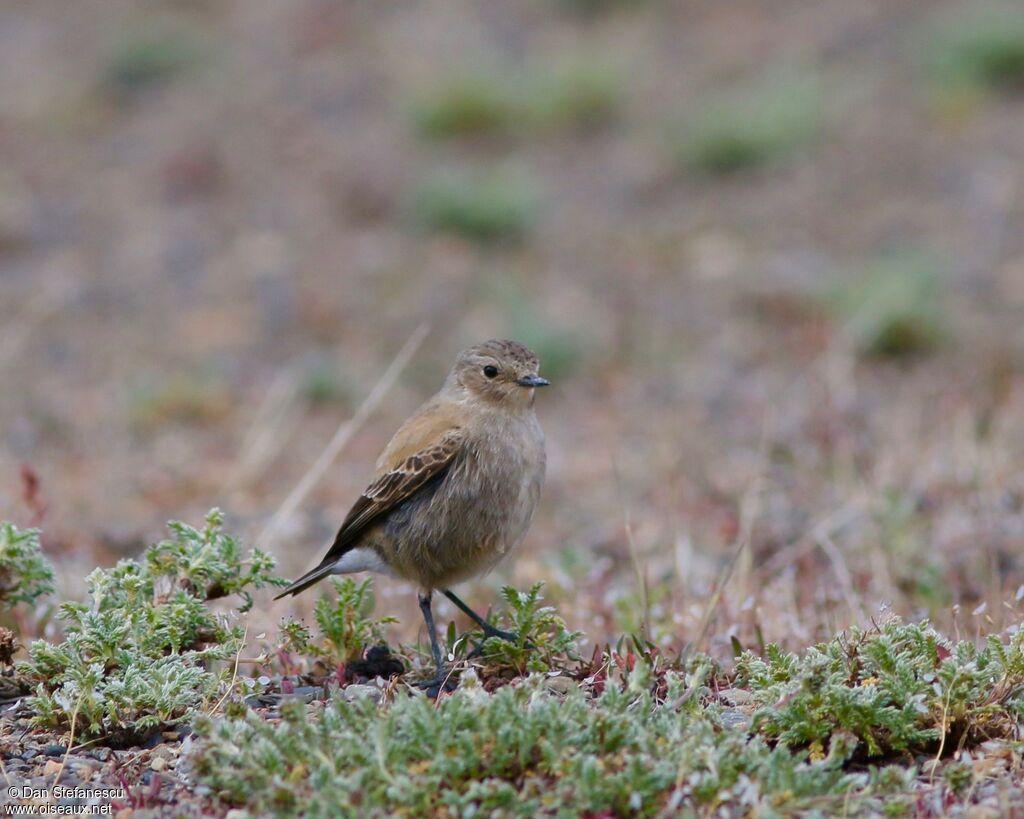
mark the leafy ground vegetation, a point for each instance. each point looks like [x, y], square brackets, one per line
[770, 256]
[146, 691]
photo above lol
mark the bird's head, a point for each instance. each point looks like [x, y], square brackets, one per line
[498, 372]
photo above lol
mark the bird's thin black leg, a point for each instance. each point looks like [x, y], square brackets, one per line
[440, 679]
[489, 630]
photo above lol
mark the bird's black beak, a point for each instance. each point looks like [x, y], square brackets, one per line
[532, 381]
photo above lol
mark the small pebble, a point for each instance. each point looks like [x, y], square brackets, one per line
[158, 763]
[561, 685]
[55, 750]
[304, 693]
[734, 718]
[736, 696]
[353, 692]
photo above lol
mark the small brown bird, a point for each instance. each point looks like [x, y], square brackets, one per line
[455, 489]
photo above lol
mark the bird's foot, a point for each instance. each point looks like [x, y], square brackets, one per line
[442, 681]
[490, 631]
[507, 636]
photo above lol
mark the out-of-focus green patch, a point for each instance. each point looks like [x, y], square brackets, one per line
[643, 611]
[146, 57]
[893, 309]
[748, 127]
[468, 104]
[595, 8]
[324, 384]
[188, 398]
[904, 530]
[526, 319]
[25, 573]
[577, 95]
[580, 96]
[979, 49]
[488, 205]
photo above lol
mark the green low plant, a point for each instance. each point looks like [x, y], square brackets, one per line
[898, 689]
[25, 573]
[140, 652]
[543, 642]
[345, 625]
[522, 751]
[816, 735]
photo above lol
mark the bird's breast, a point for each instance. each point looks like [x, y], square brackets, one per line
[480, 509]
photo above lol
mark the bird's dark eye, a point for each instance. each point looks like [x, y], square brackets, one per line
[490, 371]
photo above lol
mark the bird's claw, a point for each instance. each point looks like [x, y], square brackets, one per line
[489, 632]
[435, 685]
[507, 636]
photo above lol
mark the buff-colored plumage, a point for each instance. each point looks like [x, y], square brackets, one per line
[456, 488]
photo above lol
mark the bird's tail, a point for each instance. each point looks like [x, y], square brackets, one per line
[308, 579]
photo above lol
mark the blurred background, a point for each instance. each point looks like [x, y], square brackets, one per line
[771, 256]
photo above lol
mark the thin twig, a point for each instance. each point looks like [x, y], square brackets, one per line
[945, 729]
[71, 741]
[843, 576]
[269, 430]
[234, 673]
[79, 747]
[639, 567]
[42, 306]
[342, 436]
[825, 527]
[750, 508]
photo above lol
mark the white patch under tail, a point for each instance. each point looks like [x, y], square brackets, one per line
[361, 559]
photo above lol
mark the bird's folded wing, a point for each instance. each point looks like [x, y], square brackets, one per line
[394, 486]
